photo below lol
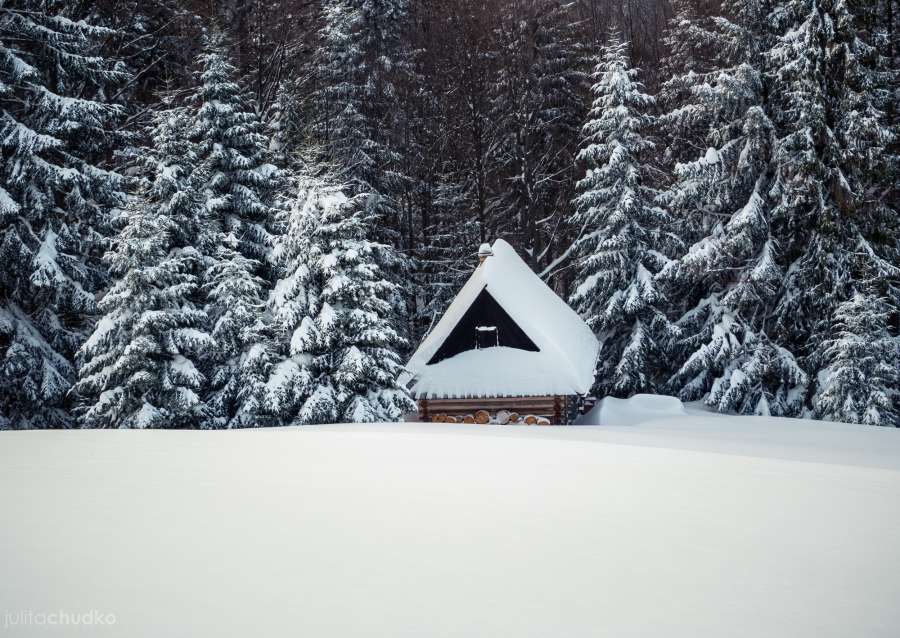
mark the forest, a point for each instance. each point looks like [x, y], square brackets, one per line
[243, 213]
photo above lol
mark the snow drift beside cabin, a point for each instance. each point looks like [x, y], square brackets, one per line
[637, 409]
[567, 348]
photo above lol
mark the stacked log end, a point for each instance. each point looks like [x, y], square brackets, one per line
[485, 416]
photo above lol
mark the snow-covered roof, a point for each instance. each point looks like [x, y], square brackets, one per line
[567, 349]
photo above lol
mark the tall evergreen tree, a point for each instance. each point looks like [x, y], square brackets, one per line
[787, 205]
[359, 62]
[832, 136]
[240, 205]
[143, 367]
[623, 242]
[728, 279]
[243, 183]
[338, 347]
[294, 298]
[56, 201]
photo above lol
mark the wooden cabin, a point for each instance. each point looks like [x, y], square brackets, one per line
[508, 349]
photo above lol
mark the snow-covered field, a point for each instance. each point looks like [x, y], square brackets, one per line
[692, 525]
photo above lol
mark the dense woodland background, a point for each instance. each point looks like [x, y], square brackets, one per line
[240, 213]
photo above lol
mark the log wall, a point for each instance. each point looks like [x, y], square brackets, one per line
[550, 407]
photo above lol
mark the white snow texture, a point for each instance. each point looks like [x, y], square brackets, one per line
[680, 526]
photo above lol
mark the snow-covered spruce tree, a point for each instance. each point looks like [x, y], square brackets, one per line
[240, 207]
[861, 378]
[56, 201]
[752, 375]
[623, 242]
[728, 279]
[143, 365]
[360, 57]
[338, 348]
[835, 228]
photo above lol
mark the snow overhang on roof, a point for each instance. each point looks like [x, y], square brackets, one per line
[567, 349]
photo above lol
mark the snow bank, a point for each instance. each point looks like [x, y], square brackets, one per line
[637, 409]
[453, 530]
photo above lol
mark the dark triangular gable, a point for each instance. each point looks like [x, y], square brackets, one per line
[484, 311]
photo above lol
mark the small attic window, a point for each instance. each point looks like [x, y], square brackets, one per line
[486, 337]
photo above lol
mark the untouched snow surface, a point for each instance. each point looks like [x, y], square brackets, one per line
[686, 526]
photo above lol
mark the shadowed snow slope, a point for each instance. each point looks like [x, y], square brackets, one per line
[443, 530]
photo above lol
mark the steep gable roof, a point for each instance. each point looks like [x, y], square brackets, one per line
[567, 349]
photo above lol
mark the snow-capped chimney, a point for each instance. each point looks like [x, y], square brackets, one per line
[484, 251]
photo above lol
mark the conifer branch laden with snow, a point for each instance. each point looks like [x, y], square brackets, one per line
[625, 239]
[860, 382]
